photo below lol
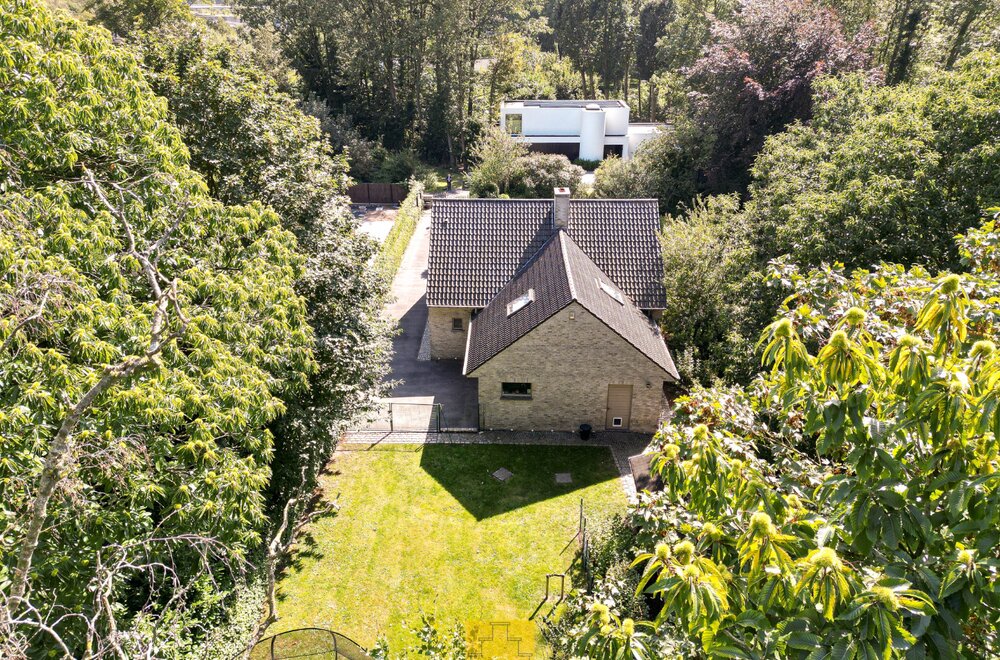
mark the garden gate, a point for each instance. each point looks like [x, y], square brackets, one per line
[409, 417]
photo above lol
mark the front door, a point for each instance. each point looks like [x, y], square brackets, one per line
[619, 407]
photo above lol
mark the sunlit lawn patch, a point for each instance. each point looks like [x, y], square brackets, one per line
[429, 529]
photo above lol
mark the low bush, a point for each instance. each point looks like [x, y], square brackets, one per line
[587, 164]
[537, 174]
[531, 176]
[398, 167]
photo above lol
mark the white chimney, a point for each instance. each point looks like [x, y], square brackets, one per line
[560, 208]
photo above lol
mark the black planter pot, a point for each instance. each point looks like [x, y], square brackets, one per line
[585, 430]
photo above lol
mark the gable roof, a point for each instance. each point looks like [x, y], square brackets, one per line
[561, 273]
[477, 245]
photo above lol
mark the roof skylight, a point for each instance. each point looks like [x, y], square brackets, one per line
[606, 288]
[519, 303]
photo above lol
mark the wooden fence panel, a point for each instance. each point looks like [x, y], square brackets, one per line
[377, 193]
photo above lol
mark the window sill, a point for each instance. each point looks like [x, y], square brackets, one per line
[516, 397]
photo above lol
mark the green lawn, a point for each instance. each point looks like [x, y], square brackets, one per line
[428, 529]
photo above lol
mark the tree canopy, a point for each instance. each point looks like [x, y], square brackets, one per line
[880, 174]
[149, 334]
[846, 504]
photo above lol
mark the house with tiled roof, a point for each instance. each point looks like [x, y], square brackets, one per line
[553, 306]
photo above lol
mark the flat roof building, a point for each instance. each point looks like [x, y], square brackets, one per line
[585, 129]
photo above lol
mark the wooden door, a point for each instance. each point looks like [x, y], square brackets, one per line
[619, 407]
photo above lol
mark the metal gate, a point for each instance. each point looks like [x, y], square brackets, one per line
[413, 417]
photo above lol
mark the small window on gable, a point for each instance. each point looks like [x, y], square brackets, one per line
[515, 390]
[608, 289]
[519, 303]
[513, 124]
[457, 324]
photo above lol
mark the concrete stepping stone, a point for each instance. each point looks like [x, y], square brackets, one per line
[503, 474]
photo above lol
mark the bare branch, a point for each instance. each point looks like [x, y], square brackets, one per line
[60, 448]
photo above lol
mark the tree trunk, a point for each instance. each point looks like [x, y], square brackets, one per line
[963, 33]
[60, 449]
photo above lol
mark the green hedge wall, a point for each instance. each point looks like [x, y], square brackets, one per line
[391, 255]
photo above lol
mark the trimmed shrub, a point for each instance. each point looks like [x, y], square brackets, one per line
[391, 255]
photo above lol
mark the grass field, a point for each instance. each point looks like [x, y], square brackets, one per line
[427, 529]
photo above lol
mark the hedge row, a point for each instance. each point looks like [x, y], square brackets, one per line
[391, 254]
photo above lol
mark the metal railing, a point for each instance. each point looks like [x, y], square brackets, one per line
[309, 643]
[415, 417]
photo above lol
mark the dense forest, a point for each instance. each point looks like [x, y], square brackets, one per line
[189, 316]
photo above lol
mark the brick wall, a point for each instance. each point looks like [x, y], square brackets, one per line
[446, 343]
[569, 363]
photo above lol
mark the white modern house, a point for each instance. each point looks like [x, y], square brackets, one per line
[590, 130]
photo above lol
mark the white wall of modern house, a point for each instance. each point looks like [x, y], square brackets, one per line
[583, 128]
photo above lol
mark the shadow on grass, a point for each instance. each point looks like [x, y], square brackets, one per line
[465, 471]
[306, 547]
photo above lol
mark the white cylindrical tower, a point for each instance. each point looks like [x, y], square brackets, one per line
[592, 133]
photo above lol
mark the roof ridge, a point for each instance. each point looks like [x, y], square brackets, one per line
[527, 263]
[480, 200]
[563, 236]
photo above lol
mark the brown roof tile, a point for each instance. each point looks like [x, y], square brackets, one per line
[477, 245]
[558, 274]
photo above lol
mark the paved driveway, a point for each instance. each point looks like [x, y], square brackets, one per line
[425, 381]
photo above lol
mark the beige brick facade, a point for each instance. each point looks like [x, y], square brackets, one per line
[570, 360]
[446, 342]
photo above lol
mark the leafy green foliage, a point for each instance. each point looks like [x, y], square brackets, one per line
[496, 154]
[756, 76]
[879, 174]
[247, 138]
[404, 71]
[252, 143]
[598, 35]
[126, 16]
[505, 168]
[390, 255]
[99, 211]
[893, 172]
[701, 259]
[664, 167]
[846, 503]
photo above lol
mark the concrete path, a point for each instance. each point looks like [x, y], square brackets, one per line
[376, 223]
[423, 381]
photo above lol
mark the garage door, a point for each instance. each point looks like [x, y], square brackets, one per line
[619, 406]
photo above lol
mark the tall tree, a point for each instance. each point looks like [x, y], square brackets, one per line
[148, 336]
[599, 36]
[395, 66]
[654, 17]
[252, 143]
[880, 173]
[756, 77]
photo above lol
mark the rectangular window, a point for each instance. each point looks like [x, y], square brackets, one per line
[616, 422]
[457, 324]
[514, 124]
[608, 289]
[515, 390]
[519, 303]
